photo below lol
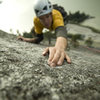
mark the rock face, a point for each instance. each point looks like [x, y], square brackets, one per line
[25, 74]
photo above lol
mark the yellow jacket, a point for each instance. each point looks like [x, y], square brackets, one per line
[57, 21]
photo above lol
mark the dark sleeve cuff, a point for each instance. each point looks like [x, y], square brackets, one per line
[61, 32]
[38, 38]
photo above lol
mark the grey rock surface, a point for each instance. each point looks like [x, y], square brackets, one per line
[25, 74]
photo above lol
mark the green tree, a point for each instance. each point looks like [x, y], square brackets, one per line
[0, 2]
[89, 42]
[30, 34]
[11, 30]
[18, 32]
[74, 39]
[48, 36]
[27, 35]
[78, 17]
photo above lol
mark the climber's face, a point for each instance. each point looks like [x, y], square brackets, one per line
[46, 20]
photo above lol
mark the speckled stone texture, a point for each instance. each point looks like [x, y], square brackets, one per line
[25, 74]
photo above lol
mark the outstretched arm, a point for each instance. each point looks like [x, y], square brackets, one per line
[37, 39]
[57, 53]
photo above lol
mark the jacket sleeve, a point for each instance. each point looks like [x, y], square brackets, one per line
[38, 38]
[61, 32]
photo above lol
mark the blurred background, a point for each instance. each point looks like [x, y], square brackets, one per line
[17, 15]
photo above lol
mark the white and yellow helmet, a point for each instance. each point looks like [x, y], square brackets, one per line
[42, 7]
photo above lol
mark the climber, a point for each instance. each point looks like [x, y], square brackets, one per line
[47, 17]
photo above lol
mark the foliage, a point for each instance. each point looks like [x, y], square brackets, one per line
[0, 2]
[89, 42]
[74, 39]
[11, 31]
[30, 34]
[76, 36]
[76, 17]
[27, 35]
[49, 35]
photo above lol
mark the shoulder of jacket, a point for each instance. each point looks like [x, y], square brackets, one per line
[56, 11]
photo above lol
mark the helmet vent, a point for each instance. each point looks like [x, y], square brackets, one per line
[50, 6]
[36, 11]
[45, 8]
